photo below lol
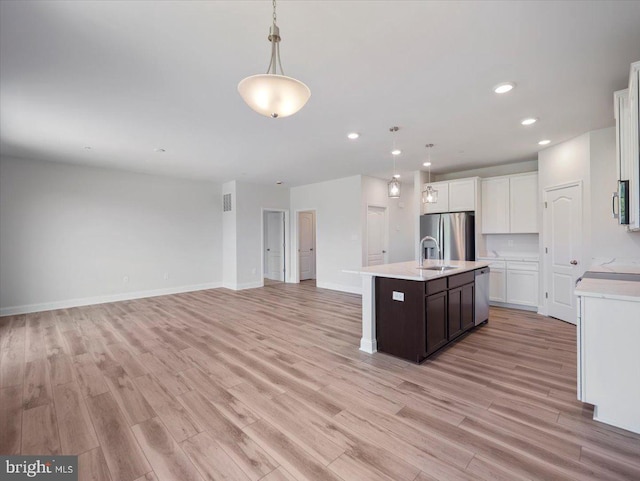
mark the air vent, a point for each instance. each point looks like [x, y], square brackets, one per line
[226, 202]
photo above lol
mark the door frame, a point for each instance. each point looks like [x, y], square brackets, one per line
[295, 242]
[386, 233]
[286, 260]
[544, 238]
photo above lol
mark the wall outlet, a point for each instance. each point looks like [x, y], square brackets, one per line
[166, 276]
[254, 271]
[125, 279]
[398, 296]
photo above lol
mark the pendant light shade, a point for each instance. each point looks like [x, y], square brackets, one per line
[274, 94]
[429, 195]
[393, 187]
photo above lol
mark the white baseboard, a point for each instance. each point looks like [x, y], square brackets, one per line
[514, 306]
[87, 301]
[339, 287]
[246, 285]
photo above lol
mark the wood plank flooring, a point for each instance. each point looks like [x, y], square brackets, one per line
[269, 384]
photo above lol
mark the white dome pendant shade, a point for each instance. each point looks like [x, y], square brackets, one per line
[274, 95]
[271, 94]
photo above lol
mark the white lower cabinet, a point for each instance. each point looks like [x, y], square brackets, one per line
[522, 287]
[514, 283]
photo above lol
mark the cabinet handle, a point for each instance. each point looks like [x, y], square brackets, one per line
[574, 263]
[614, 196]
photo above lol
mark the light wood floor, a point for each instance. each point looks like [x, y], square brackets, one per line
[269, 384]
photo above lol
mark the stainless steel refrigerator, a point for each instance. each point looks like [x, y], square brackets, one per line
[455, 233]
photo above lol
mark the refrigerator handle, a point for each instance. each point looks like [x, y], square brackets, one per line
[441, 237]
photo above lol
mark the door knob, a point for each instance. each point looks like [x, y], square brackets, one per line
[311, 249]
[384, 252]
[574, 263]
[268, 250]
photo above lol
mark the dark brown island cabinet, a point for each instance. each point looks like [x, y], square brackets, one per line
[414, 319]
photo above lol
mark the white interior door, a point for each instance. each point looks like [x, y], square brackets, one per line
[563, 249]
[377, 251]
[307, 245]
[274, 245]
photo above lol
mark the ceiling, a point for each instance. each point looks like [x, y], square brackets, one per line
[127, 78]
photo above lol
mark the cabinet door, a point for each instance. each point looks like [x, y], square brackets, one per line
[400, 318]
[495, 206]
[462, 195]
[623, 122]
[442, 205]
[454, 321]
[523, 204]
[467, 307]
[522, 287]
[497, 285]
[436, 321]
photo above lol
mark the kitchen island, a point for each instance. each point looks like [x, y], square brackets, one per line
[412, 312]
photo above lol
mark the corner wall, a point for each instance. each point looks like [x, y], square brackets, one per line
[75, 235]
[338, 230]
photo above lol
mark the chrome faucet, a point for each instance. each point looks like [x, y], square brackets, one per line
[422, 241]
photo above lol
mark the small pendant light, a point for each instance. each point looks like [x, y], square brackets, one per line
[393, 186]
[429, 195]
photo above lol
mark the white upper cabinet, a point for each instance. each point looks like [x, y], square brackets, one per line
[510, 204]
[442, 205]
[462, 195]
[453, 196]
[523, 204]
[495, 205]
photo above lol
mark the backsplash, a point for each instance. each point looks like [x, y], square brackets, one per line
[510, 244]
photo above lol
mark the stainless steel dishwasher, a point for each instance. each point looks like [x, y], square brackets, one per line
[482, 296]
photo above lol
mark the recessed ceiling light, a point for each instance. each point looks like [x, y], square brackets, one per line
[279, 182]
[544, 142]
[504, 87]
[353, 135]
[529, 121]
[427, 164]
[396, 176]
[87, 148]
[396, 152]
[159, 150]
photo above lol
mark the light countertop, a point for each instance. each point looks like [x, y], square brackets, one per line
[409, 270]
[611, 289]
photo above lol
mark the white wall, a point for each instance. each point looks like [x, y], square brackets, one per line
[251, 199]
[608, 238]
[338, 230]
[70, 234]
[229, 239]
[400, 219]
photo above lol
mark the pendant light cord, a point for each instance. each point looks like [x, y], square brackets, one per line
[274, 38]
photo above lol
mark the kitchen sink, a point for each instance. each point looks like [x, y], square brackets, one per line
[437, 268]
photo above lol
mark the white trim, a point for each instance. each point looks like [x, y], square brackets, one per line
[87, 301]
[339, 287]
[519, 307]
[246, 285]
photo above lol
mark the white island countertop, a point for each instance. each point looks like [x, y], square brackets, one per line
[609, 288]
[410, 272]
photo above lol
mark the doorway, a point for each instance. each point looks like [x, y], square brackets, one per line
[562, 220]
[307, 245]
[377, 236]
[273, 246]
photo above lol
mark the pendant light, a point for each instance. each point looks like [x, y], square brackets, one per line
[429, 195]
[393, 186]
[273, 94]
